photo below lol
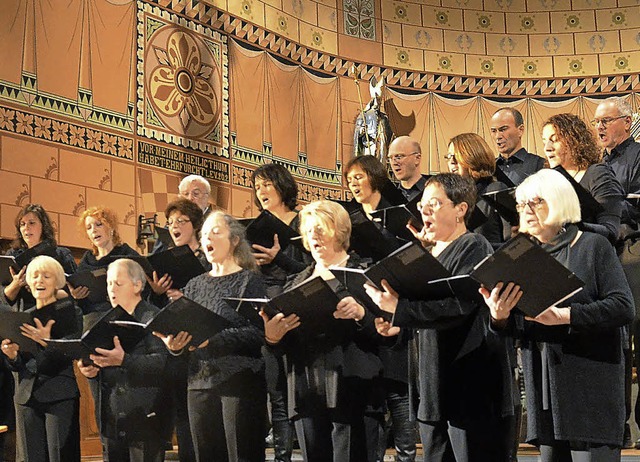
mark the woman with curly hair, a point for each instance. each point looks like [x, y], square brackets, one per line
[101, 225]
[569, 142]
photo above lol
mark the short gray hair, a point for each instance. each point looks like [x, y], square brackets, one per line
[557, 192]
[187, 180]
[134, 270]
[621, 104]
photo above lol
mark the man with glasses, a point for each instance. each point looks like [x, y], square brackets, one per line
[621, 152]
[196, 189]
[404, 157]
[612, 123]
[507, 128]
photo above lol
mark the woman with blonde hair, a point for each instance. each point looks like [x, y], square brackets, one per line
[330, 373]
[47, 397]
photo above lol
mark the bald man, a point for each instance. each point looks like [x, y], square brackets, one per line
[404, 157]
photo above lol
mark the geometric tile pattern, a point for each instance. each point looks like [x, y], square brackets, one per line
[359, 20]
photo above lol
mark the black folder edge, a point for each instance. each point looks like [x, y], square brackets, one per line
[199, 335]
[78, 279]
[589, 206]
[359, 293]
[506, 280]
[506, 207]
[160, 261]
[15, 319]
[267, 221]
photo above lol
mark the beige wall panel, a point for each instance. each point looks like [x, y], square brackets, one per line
[618, 18]
[405, 58]
[442, 18]
[281, 23]
[620, 63]
[546, 5]
[484, 21]
[8, 214]
[122, 204]
[507, 7]
[447, 63]
[123, 178]
[25, 156]
[318, 39]
[574, 66]
[423, 37]
[597, 42]
[464, 42]
[306, 10]
[69, 232]
[572, 21]
[402, 12]
[359, 49]
[487, 66]
[531, 67]
[250, 10]
[86, 170]
[328, 18]
[392, 33]
[507, 44]
[466, 4]
[551, 45]
[630, 40]
[15, 188]
[528, 23]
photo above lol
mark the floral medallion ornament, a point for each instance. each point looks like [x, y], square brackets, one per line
[180, 84]
[184, 81]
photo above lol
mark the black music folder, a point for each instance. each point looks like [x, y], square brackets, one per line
[179, 262]
[504, 202]
[589, 206]
[115, 322]
[22, 260]
[68, 321]
[407, 270]
[186, 315]
[314, 301]
[396, 218]
[367, 239]
[463, 287]
[503, 178]
[476, 219]
[354, 279]
[544, 280]
[10, 323]
[95, 281]
[164, 236]
[260, 230]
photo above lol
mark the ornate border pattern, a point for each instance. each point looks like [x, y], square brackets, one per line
[243, 30]
[65, 133]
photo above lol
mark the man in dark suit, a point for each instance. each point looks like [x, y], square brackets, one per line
[507, 128]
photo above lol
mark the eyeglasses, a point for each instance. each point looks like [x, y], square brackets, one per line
[178, 221]
[400, 157]
[195, 193]
[605, 121]
[533, 204]
[432, 204]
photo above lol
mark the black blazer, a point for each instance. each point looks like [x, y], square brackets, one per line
[46, 376]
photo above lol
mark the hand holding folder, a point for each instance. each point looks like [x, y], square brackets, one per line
[260, 230]
[313, 301]
[22, 260]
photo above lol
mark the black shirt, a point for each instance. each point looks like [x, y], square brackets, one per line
[624, 160]
[520, 165]
[416, 189]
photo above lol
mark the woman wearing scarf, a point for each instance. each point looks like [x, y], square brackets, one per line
[572, 353]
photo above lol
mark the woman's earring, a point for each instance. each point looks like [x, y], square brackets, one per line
[457, 219]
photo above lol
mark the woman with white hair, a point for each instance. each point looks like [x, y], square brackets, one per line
[47, 396]
[130, 409]
[572, 353]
